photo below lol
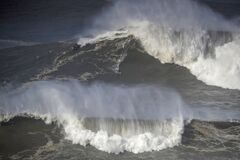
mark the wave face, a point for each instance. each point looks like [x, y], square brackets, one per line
[176, 32]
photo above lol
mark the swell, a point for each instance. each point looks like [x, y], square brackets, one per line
[6, 43]
[64, 60]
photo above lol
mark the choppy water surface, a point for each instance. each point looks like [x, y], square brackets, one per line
[135, 80]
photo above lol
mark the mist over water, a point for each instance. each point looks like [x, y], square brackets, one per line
[96, 100]
[112, 118]
[136, 119]
[172, 14]
[100, 100]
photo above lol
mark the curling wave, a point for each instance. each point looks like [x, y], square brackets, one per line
[175, 32]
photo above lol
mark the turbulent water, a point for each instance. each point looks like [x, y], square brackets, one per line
[136, 80]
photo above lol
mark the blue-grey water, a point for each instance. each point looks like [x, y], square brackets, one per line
[92, 79]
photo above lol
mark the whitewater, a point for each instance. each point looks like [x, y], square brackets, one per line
[111, 118]
[128, 118]
[68, 86]
[208, 47]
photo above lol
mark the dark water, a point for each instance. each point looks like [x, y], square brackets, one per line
[44, 21]
[52, 89]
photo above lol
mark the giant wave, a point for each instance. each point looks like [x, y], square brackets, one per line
[185, 33]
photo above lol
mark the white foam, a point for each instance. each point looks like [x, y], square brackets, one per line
[169, 135]
[223, 70]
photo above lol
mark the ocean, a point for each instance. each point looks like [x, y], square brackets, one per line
[120, 79]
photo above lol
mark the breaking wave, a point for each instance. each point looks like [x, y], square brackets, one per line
[176, 32]
[136, 118]
[111, 118]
